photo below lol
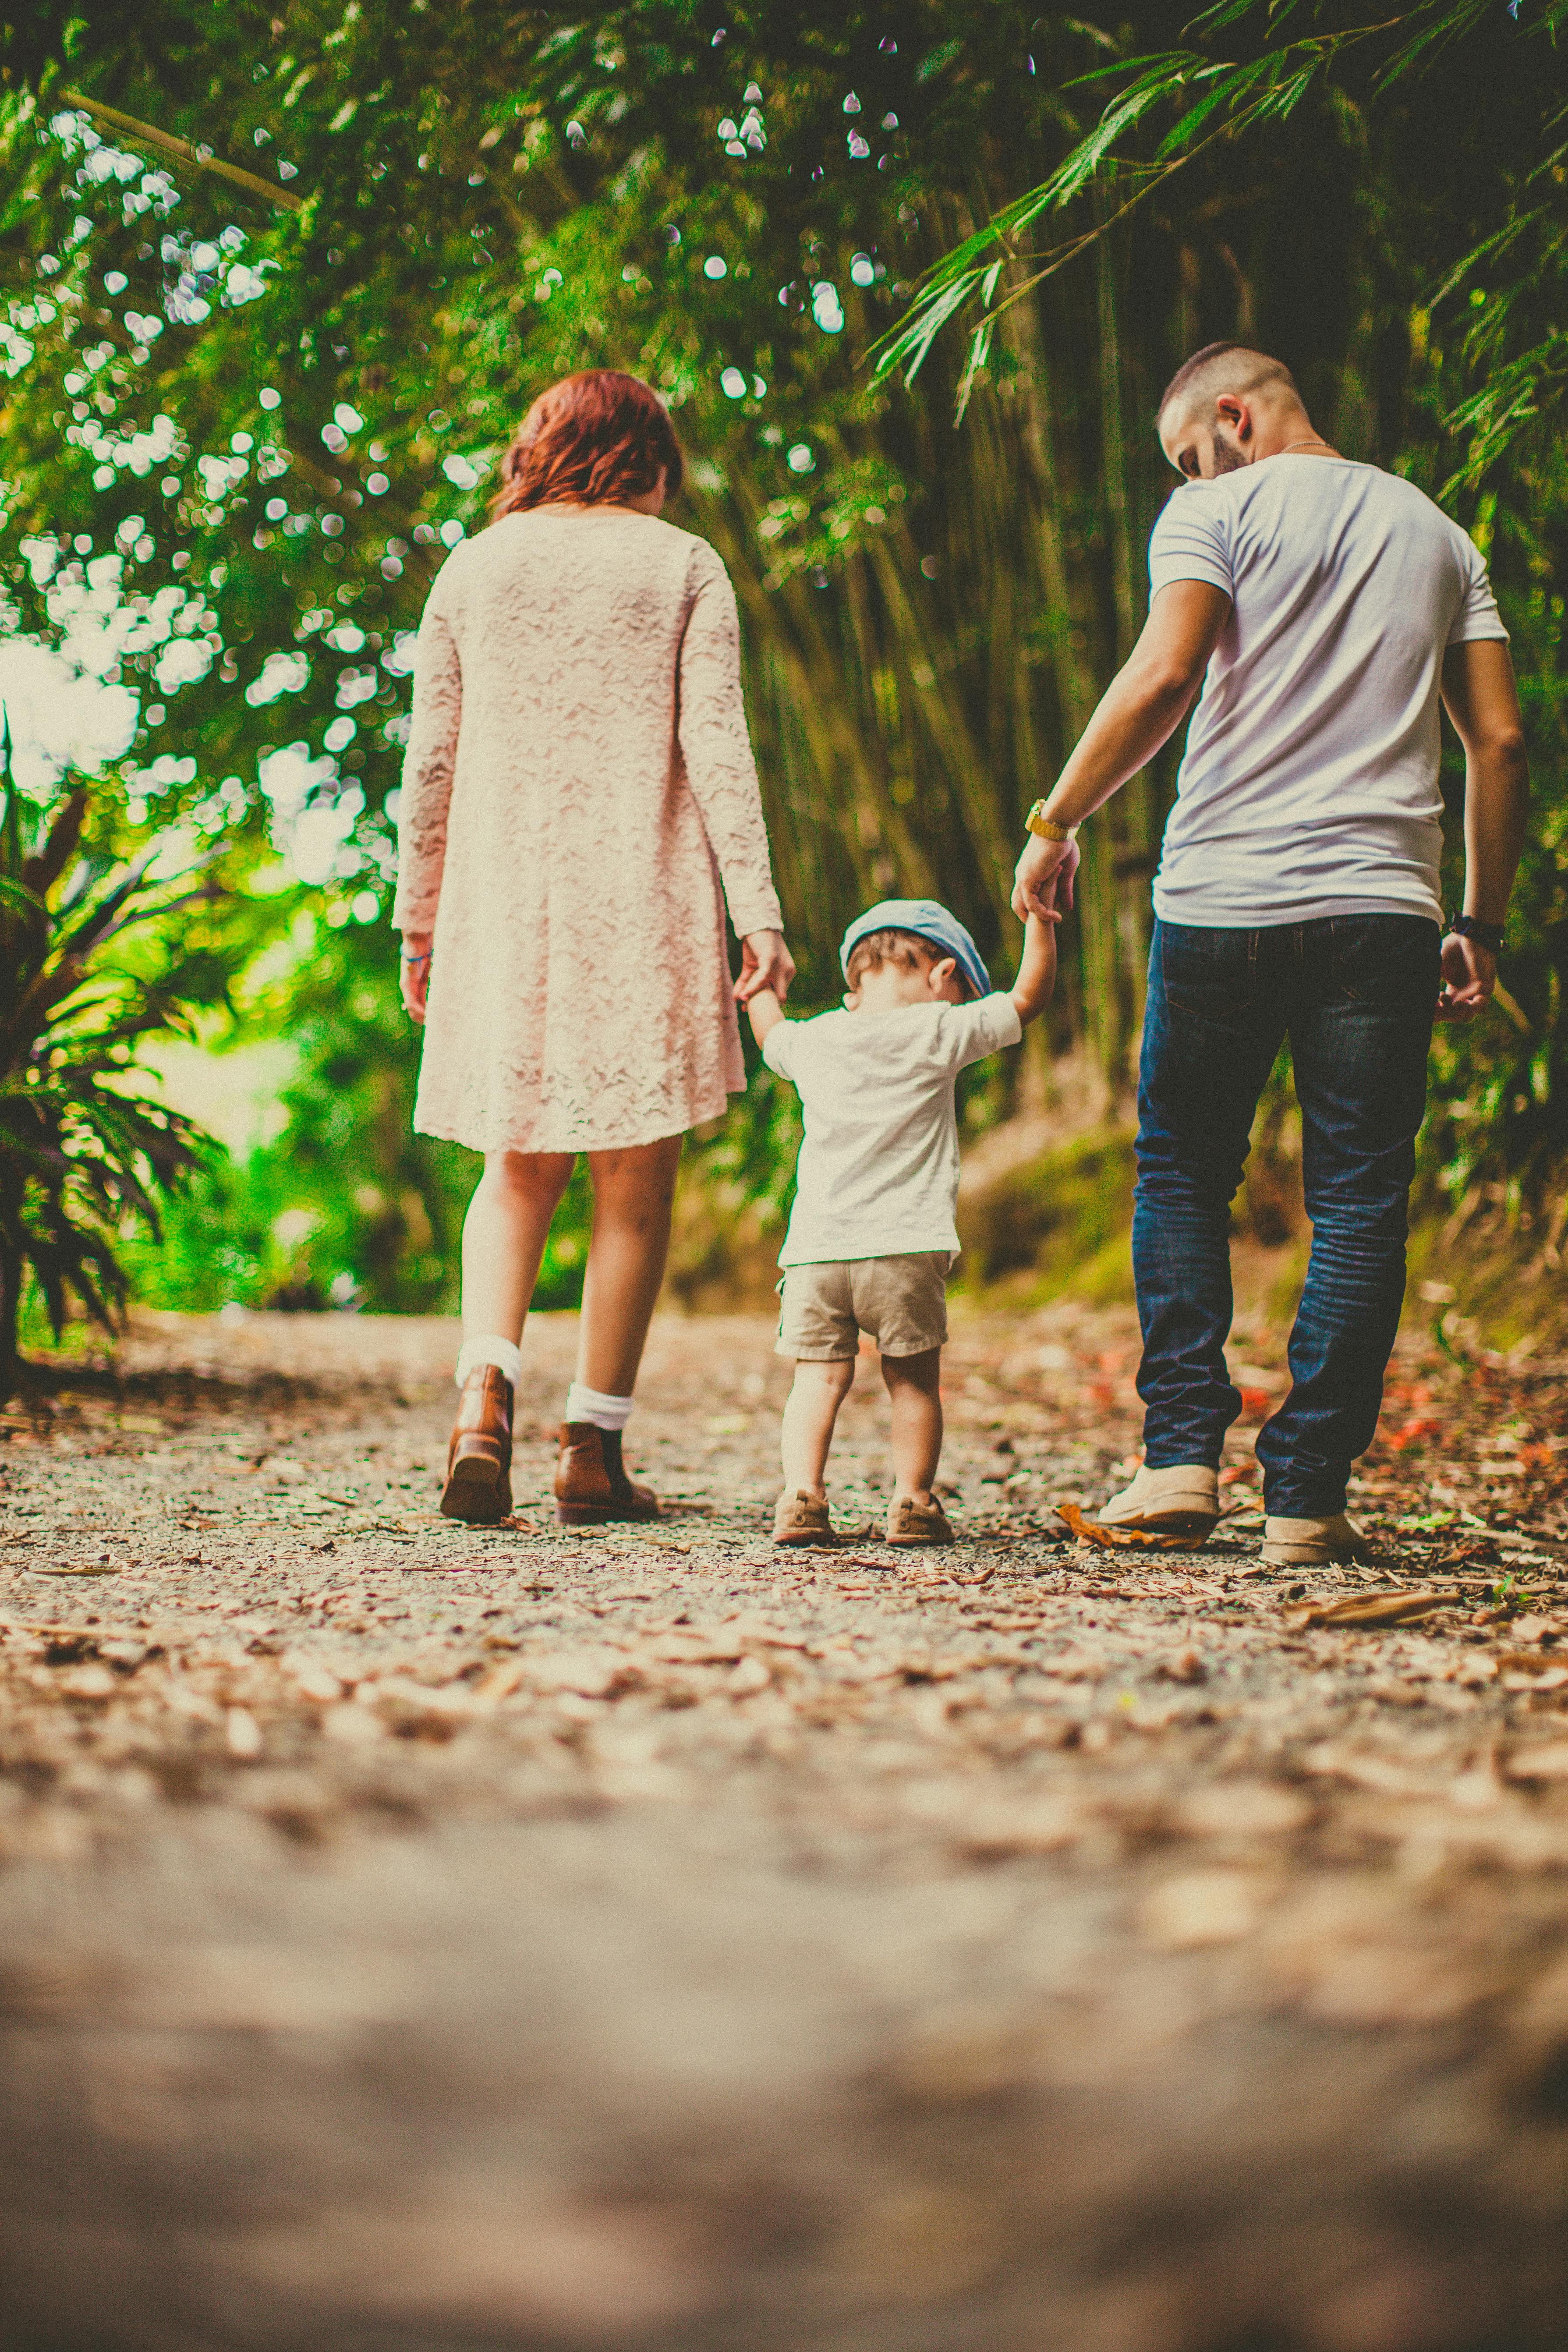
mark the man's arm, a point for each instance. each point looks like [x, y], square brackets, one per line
[1480, 698]
[1038, 967]
[1140, 709]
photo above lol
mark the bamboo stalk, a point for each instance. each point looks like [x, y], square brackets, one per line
[148, 135]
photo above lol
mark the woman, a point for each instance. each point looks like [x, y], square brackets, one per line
[578, 779]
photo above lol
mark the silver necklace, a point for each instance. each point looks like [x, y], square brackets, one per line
[1313, 441]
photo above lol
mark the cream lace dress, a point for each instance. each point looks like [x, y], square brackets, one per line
[578, 779]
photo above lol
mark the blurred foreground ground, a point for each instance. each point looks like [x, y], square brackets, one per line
[420, 1936]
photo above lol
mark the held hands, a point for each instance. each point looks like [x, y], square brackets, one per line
[1469, 976]
[1043, 882]
[765, 963]
[414, 972]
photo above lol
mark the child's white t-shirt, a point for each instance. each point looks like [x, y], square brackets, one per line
[878, 1167]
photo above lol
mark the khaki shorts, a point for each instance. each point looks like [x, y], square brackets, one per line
[900, 1301]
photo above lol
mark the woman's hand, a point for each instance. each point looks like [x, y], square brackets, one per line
[765, 962]
[414, 971]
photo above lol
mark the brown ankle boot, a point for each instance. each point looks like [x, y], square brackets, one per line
[479, 1459]
[591, 1483]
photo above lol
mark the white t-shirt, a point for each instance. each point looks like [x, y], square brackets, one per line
[878, 1167]
[1310, 782]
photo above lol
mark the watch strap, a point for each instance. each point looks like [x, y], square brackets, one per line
[1472, 927]
[1045, 828]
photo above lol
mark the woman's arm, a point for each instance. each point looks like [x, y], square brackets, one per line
[427, 769]
[722, 774]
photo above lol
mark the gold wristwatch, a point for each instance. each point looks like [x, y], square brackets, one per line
[1044, 828]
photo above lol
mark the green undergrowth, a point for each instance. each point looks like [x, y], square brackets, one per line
[1059, 1222]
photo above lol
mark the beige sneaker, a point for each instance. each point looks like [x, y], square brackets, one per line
[1312, 1543]
[800, 1518]
[1182, 1501]
[911, 1522]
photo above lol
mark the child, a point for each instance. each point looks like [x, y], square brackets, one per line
[871, 1235]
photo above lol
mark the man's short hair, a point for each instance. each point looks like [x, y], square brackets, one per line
[1221, 367]
[907, 949]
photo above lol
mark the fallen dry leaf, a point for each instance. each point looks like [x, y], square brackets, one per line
[1365, 1769]
[1119, 1538]
[698, 1649]
[315, 1680]
[1369, 1609]
[1203, 1906]
[1188, 1666]
[1241, 1809]
[242, 1733]
[587, 1674]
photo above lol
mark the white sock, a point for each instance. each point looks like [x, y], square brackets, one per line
[589, 1404]
[490, 1349]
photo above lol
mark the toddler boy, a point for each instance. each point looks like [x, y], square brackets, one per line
[871, 1236]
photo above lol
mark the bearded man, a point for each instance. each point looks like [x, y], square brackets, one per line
[1327, 608]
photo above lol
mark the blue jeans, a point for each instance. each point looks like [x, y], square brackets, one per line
[1355, 996]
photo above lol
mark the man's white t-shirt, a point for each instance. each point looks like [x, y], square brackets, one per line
[878, 1167]
[1310, 782]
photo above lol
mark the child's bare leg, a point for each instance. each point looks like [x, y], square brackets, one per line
[914, 1386]
[809, 1417]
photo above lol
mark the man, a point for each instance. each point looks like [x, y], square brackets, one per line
[1326, 607]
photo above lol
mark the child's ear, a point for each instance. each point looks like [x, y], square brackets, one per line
[938, 974]
[851, 999]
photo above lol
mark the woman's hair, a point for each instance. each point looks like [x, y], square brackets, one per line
[594, 439]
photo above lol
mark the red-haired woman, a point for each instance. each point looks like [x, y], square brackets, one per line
[578, 780]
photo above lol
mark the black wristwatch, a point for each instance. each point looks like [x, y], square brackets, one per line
[1485, 935]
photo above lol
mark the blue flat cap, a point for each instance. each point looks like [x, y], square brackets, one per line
[928, 919]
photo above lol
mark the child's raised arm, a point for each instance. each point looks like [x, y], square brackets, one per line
[1038, 967]
[765, 1012]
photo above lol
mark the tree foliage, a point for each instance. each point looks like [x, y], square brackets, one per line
[281, 280]
[83, 1152]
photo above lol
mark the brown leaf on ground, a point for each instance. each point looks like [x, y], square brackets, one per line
[1203, 1906]
[1186, 1667]
[1119, 1538]
[1369, 1609]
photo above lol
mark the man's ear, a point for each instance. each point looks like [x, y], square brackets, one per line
[851, 999]
[1237, 413]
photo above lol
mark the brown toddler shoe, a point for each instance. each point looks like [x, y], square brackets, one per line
[912, 1522]
[591, 1483]
[479, 1459]
[800, 1518]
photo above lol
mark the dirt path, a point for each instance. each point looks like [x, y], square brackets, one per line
[420, 1936]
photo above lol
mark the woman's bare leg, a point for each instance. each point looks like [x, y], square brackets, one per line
[504, 1235]
[633, 1193]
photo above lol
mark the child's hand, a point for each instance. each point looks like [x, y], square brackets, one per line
[1038, 969]
[765, 1013]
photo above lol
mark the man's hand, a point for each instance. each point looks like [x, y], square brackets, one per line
[1042, 884]
[1469, 976]
[415, 973]
[765, 962]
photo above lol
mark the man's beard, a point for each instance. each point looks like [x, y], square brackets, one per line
[1229, 457]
